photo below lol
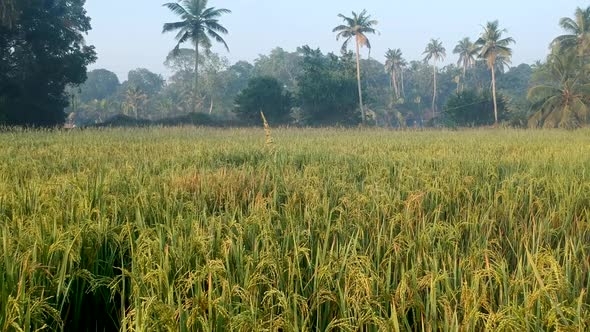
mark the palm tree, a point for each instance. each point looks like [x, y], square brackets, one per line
[493, 47]
[393, 62]
[563, 101]
[135, 100]
[578, 29]
[403, 65]
[435, 52]
[199, 24]
[468, 52]
[358, 27]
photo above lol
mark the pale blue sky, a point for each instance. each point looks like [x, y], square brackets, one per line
[127, 33]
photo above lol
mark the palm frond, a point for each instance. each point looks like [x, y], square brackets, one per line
[177, 9]
[340, 28]
[218, 38]
[541, 92]
[215, 26]
[211, 13]
[344, 47]
[569, 25]
[198, 24]
[169, 27]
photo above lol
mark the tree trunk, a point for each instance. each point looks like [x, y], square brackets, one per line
[196, 89]
[494, 96]
[395, 85]
[464, 77]
[434, 94]
[358, 78]
[402, 79]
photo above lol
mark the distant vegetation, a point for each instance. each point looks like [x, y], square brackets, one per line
[323, 89]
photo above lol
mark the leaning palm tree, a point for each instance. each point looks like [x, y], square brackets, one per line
[393, 63]
[468, 52]
[358, 27]
[493, 46]
[578, 33]
[435, 52]
[199, 24]
[562, 101]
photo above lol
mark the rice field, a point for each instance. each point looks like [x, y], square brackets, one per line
[192, 229]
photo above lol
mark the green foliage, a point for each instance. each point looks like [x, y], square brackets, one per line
[199, 23]
[327, 91]
[100, 84]
[492, 44]
[394, 62]
[142, 79]
[42, 51]
[282, 65]
[267, 95]
[436, 52]
[577, 37]
[472, 109]
[516, 81]
[562, 100]
[358, 27]
[204, 230]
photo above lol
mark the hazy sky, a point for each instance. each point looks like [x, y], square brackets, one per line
[128, 33]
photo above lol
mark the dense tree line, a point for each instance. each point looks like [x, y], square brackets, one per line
[43, 60]
[322, 89]
[42, 51]
[561, 93]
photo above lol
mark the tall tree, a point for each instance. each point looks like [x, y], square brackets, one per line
[101, 84]
[561, 100]
[135, 99]
[393, 63]
[146, 81]
[327, 89]
[403, 65]
[468, 52]
[358, 27]
[42, 51]
[199, 24]
[435, 52]
[578, 33]
[266, 95]
[280, 64]
[493, 47]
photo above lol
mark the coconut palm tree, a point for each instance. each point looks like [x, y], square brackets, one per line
[403, 66]
[562, 101]
[435, 52]
[393, 62]
[135, 100]
[468, 52]
[578, 33]
[199, 24]
[358, 27]
[494, 46]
